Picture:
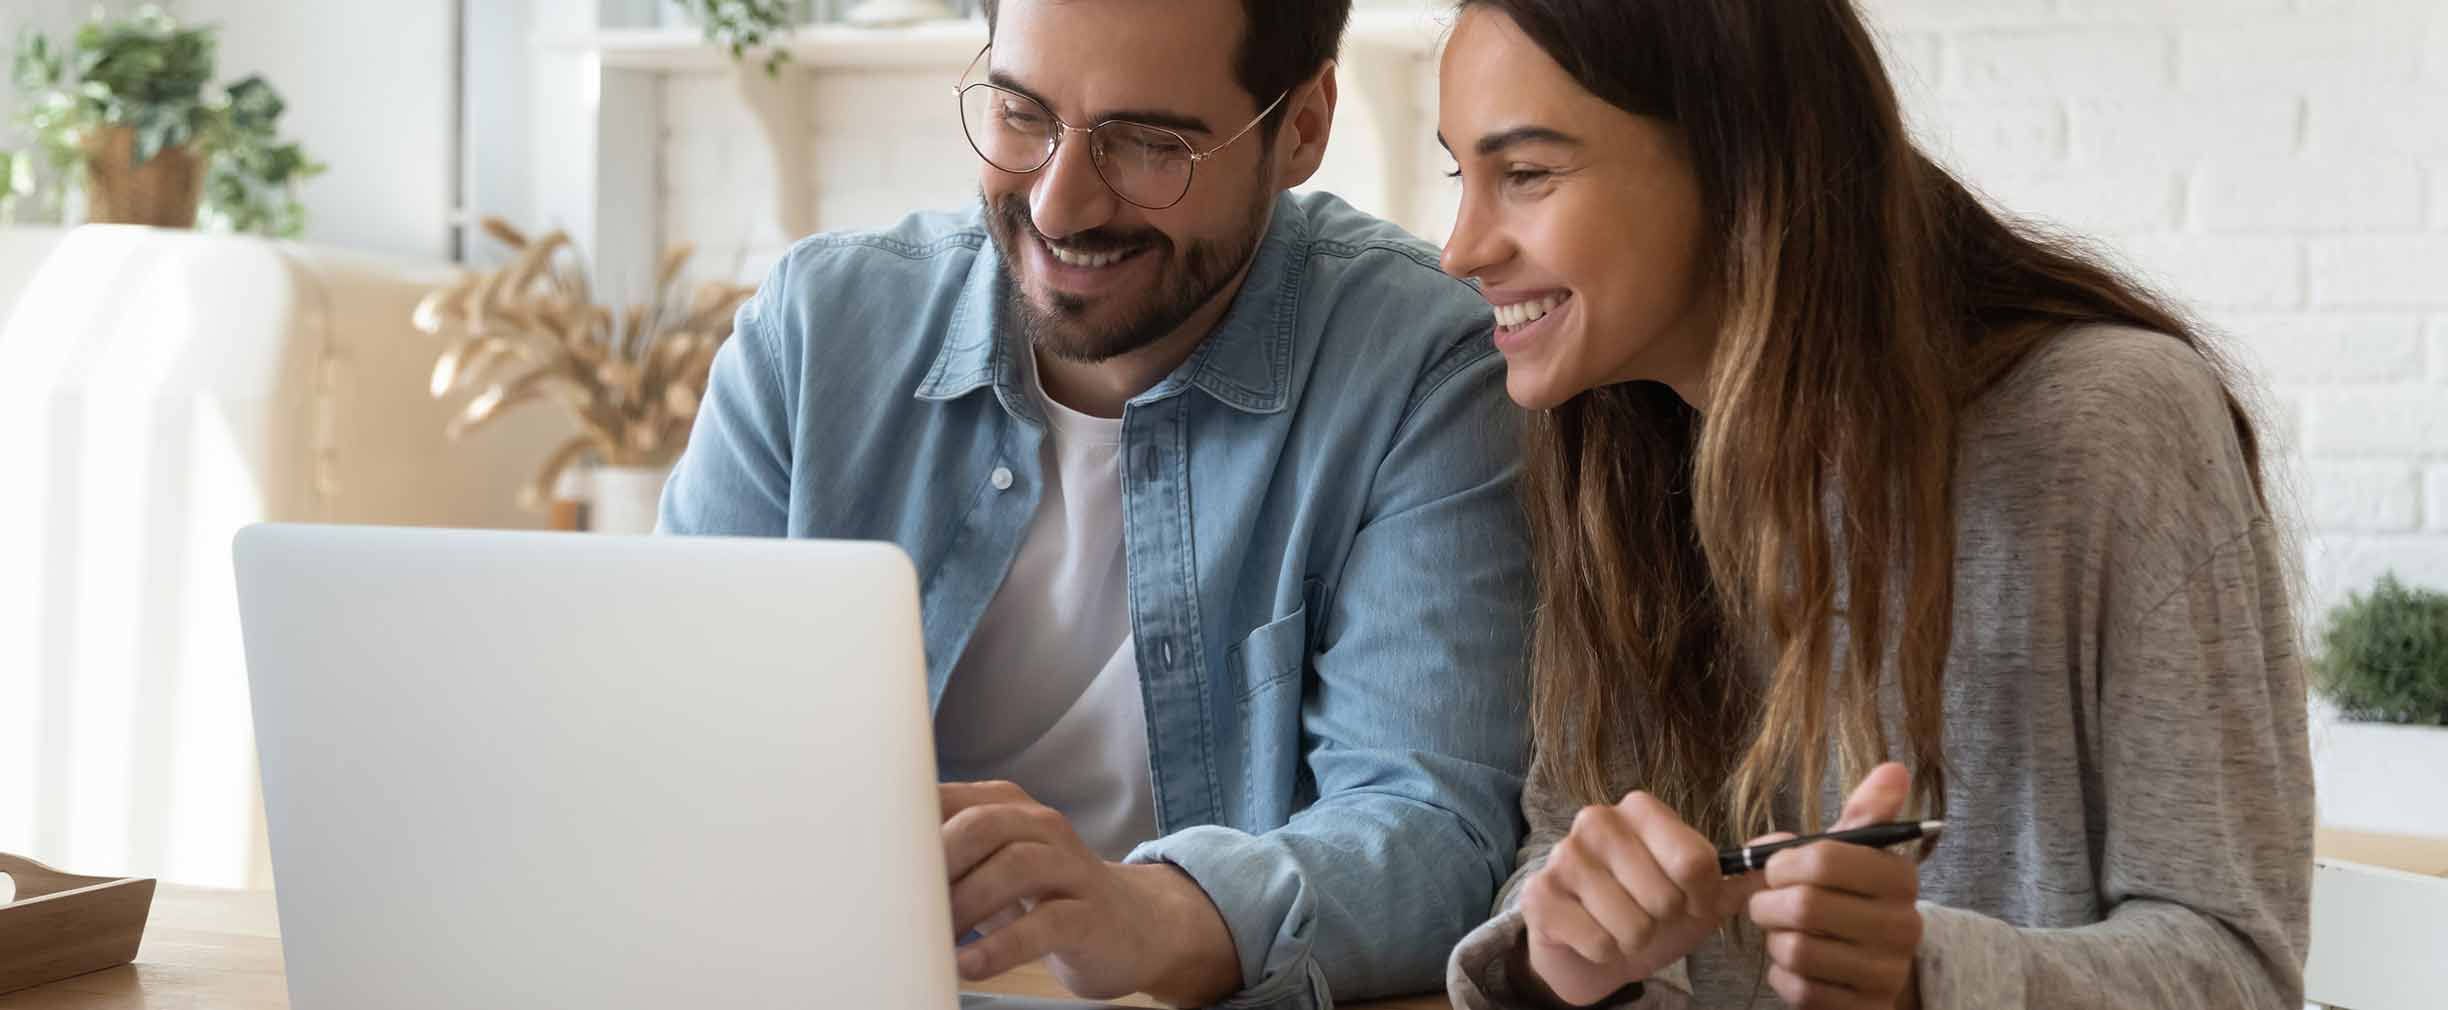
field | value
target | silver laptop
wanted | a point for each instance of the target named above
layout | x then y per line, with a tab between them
507	770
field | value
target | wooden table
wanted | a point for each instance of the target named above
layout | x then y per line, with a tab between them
220	950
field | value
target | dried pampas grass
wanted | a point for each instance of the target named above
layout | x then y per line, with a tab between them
530	333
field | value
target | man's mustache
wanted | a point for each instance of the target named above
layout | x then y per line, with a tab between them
1016	221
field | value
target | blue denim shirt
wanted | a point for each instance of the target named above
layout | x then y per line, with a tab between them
1327	563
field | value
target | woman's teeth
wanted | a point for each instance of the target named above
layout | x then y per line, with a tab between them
1089	261
1525	313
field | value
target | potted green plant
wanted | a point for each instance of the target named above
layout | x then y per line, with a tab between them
742	25
126	114
2383	671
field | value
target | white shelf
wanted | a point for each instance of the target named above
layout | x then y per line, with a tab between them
932	44
818	47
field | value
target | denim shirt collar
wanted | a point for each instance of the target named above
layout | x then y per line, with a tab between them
1246	363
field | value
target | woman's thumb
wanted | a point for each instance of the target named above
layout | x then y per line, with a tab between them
1880	797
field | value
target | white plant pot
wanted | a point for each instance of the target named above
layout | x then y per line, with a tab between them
627	498
2378	777
886	13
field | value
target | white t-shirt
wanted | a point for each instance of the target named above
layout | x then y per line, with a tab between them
1047	696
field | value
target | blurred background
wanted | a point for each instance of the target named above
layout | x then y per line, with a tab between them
2281	166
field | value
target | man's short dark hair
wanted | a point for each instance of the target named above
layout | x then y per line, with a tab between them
1285	44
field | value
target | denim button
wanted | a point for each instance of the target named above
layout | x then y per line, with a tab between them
1002	478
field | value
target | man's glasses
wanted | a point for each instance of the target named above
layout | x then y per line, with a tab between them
1147	166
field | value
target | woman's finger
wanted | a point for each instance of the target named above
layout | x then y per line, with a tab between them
1880	797
1671	868
1888	925
1801	993
1594	885
1554	917
1683	855
1854	869
1826	959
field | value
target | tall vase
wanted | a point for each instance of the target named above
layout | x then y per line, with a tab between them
627	498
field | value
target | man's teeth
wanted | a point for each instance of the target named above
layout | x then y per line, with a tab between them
1525	313
1089	261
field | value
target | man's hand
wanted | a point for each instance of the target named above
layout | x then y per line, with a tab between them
1106	929
1841	928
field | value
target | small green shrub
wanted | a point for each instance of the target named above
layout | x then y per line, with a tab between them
2385	656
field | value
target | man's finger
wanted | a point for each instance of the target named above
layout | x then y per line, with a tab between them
1016	872
975	834
954	797
1029	938
1880	797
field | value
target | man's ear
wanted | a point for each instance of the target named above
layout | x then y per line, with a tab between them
1302	140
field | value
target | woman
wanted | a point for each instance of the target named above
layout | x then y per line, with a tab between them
1829	463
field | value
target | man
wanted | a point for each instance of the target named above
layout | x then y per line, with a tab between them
1211	492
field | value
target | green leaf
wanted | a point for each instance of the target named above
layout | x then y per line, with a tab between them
741	25
36	67
253	104
153	137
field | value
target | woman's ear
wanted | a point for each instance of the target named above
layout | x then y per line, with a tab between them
1306	126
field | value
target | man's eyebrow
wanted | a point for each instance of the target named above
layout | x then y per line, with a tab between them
1174	121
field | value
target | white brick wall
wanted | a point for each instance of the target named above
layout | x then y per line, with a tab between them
2279	165
2435	498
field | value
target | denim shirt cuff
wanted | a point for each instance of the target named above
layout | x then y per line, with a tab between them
1259	891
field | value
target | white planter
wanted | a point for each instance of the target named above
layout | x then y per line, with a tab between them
627	498
2378	777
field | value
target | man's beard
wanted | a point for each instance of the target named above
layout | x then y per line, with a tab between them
1189	278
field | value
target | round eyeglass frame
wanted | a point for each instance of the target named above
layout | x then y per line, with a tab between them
1064	130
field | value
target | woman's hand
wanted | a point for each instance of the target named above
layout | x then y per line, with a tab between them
1628	892
1841	928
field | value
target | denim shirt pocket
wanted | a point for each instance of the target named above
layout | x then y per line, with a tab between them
1267	667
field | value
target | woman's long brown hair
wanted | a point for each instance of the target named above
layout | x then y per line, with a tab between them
1868	299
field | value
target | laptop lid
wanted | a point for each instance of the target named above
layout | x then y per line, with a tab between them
552	770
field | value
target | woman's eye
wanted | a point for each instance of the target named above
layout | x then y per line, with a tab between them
1515	177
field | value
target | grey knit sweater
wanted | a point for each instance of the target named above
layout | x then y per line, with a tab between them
2129	818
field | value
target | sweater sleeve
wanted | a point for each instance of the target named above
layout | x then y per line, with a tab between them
2205	855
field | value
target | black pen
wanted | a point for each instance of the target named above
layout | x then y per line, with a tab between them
1736	862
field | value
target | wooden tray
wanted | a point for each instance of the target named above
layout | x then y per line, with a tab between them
63	925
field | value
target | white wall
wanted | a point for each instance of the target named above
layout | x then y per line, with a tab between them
370	89
2282	166
2279	165
369	86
